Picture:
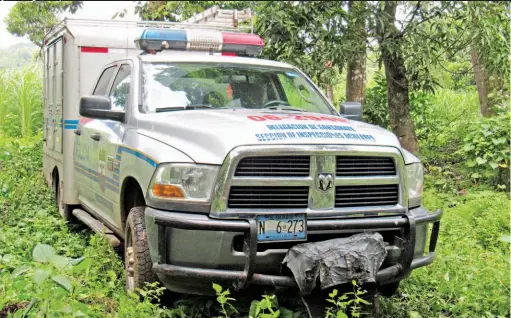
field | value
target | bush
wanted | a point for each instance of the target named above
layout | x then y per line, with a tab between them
376	111
470	274
486	150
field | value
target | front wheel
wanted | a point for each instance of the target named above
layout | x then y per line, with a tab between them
138	264
388	290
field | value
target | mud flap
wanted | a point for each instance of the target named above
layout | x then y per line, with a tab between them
336	261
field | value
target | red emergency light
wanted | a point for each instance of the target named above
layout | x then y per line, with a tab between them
228	43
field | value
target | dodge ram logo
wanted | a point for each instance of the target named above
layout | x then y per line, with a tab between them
325	181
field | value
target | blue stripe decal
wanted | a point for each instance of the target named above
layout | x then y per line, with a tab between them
96	176
113	182
70	126
108	186
138	155
70	122
96	179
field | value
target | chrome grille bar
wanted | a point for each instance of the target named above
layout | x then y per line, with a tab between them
322	158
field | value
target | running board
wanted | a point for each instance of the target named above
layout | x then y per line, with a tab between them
97	226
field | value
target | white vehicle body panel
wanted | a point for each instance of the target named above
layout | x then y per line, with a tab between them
70	73
207	136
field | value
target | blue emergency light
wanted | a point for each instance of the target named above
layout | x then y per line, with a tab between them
228	43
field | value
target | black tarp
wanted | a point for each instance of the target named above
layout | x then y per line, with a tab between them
336	261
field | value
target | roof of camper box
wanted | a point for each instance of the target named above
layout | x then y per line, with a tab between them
115	33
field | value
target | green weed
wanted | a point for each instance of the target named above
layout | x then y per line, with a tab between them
469	278
343	304
470	275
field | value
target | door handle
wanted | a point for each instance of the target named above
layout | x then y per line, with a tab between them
78	132
96	136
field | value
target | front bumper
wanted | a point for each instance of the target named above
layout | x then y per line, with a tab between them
159	222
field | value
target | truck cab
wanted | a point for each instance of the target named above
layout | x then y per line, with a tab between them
207	164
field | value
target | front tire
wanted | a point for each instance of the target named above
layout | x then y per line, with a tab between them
138	264
388	290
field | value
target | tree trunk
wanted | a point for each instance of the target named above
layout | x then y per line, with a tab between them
355	81
397	82
330	93
355	75
482	83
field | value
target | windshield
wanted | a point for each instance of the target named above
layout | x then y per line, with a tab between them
178	86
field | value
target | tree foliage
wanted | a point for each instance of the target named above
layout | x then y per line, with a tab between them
34	18
176	11
307	34
413	39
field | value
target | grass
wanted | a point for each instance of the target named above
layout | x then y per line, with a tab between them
470	277
451	114
21	101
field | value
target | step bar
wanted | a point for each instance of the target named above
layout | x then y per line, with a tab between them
97	226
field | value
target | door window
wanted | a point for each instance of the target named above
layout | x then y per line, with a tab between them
121	88
104	80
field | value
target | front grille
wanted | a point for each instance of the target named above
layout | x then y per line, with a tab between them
359	166
275	166
256	197
366	195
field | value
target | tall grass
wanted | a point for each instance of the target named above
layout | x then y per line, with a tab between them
4	91
21	101
452	115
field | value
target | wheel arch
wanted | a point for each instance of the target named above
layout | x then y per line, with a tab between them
132	196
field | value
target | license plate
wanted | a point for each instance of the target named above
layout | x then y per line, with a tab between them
281	227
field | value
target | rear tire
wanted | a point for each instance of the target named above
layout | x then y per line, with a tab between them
137	261
388	290
65	210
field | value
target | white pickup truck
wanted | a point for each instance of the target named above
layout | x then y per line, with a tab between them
207	164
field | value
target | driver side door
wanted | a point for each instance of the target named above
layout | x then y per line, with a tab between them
86	146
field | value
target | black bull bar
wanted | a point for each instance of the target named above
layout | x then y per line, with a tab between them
241	279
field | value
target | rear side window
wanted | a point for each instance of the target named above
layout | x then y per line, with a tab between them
102	86
121	88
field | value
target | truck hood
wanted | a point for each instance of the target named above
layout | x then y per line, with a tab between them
207	136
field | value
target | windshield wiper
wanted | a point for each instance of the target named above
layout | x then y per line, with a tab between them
285	108
169	109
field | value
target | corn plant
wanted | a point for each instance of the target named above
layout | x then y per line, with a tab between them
21	101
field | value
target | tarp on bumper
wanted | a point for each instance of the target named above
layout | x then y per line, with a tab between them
336	261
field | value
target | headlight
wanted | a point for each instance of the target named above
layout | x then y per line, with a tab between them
183	182
414	181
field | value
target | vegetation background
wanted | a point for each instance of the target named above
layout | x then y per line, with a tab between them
437	74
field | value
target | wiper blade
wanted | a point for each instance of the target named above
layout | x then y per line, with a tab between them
285	108
169	109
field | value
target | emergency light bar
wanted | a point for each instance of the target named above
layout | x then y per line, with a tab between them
200	40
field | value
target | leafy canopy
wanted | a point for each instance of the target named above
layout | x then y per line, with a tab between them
34	18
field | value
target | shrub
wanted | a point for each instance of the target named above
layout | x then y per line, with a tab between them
421	110
486	149
375	103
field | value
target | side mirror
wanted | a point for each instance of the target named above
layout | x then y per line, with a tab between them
99	107
352	110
